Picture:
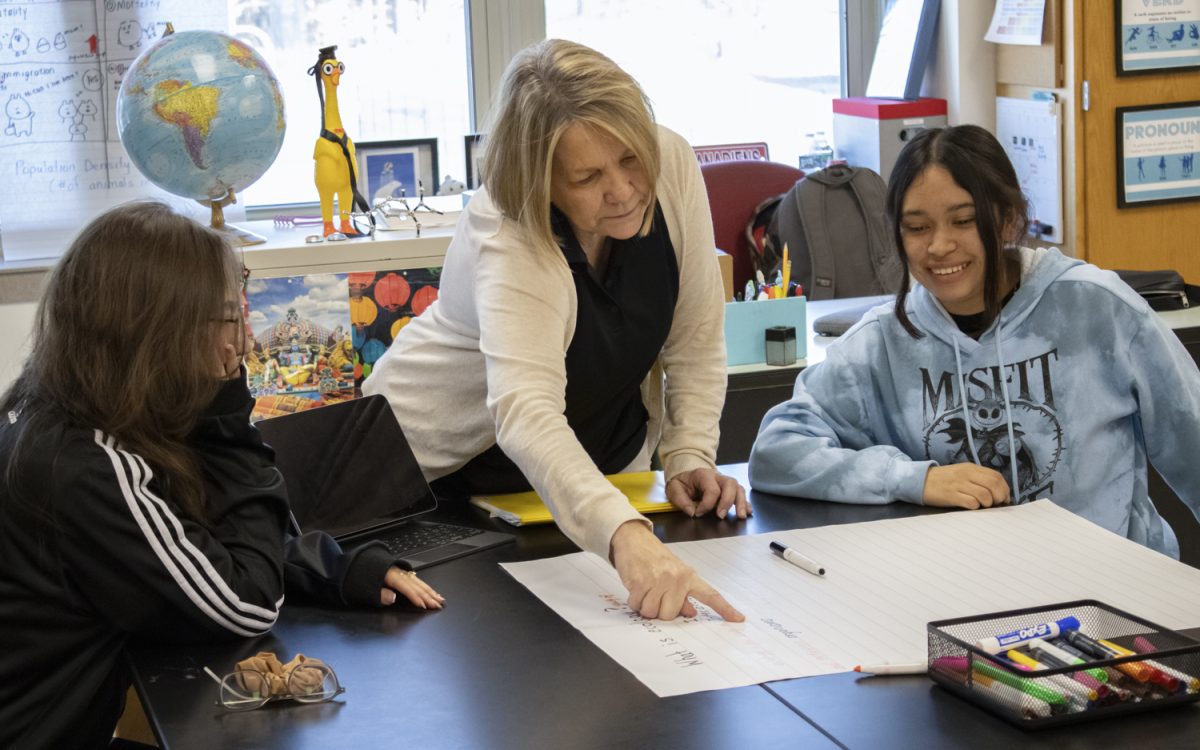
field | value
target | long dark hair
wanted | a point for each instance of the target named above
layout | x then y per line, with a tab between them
125	338
977	162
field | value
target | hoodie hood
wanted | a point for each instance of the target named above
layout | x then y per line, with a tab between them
929	316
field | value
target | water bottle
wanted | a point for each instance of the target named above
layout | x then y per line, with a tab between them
821	151
808	158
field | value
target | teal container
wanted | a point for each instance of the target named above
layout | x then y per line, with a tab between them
746	324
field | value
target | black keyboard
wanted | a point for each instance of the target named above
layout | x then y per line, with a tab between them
418	537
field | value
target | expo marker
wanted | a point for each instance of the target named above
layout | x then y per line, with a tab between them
1111	676
1155	675
996	644
1070	688
916	667
1009	697
798	559
1136	670
1087	645
1042	648
1057	700
1042	651
1142	644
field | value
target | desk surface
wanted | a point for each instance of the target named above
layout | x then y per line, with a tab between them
498	669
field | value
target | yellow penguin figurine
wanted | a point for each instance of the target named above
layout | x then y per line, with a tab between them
334	151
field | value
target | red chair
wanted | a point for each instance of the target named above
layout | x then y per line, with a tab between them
735	188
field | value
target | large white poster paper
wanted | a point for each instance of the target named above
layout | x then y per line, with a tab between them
885	580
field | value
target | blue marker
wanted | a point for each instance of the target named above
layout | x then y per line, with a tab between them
998	643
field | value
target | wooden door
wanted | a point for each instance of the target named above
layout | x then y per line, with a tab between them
1141	237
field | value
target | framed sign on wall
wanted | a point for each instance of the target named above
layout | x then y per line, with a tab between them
1157	37
1156	153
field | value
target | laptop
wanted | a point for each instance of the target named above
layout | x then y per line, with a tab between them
350	472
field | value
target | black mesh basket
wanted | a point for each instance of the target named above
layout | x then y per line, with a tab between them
1034	688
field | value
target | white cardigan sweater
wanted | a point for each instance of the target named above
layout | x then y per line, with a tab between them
486	362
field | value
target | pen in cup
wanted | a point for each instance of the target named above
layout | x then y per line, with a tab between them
798	559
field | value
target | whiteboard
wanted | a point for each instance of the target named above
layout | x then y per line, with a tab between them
1031	132
61	66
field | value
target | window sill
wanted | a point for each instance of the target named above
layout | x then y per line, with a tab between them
286	253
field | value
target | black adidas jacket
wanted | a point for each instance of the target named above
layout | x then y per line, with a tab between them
116	561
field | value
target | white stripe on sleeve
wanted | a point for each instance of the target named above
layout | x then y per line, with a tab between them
191	570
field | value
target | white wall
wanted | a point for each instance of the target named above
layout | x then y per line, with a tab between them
18	303
964	68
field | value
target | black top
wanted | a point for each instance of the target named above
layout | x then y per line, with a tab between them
975	324
95	554
621	323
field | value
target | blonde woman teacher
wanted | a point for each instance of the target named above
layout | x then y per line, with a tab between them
579	325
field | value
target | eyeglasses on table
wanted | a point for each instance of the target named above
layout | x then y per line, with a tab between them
248	689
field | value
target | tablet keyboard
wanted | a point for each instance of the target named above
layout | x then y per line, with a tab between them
418	537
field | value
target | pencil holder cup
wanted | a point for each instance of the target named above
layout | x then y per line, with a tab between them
1063	663
746	324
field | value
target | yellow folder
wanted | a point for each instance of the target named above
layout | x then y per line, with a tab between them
646	491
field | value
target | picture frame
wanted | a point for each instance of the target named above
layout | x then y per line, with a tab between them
384	167
473	153
1156	152
1157	37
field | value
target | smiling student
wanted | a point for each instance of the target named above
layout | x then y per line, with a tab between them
1006	374
580	274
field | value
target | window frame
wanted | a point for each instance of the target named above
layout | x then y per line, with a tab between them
498	29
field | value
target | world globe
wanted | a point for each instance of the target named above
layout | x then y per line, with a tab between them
201	115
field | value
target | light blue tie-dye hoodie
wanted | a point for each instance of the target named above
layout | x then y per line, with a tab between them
1092	383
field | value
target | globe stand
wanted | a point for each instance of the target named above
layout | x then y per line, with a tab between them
237	237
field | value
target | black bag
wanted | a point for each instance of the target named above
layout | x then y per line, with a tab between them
835	226
1164	290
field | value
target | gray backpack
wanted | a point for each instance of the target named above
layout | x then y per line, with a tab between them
834	223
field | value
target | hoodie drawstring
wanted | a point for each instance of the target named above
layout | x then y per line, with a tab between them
962	384
1012	442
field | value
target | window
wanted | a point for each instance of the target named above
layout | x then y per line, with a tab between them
406	77
721	71
717	71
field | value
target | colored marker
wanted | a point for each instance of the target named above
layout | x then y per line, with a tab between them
1065	645
1100	650
798	559
996	644
1044	648
1153	674
1072	689
1011	698
1111	676
951	664
1041	692
1143	645
1041	650
1088	646
916	667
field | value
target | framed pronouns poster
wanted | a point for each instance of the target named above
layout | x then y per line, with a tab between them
1156	153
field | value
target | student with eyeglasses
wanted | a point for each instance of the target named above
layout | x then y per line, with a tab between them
138	502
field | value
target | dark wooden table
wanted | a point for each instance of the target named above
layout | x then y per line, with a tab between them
498	669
